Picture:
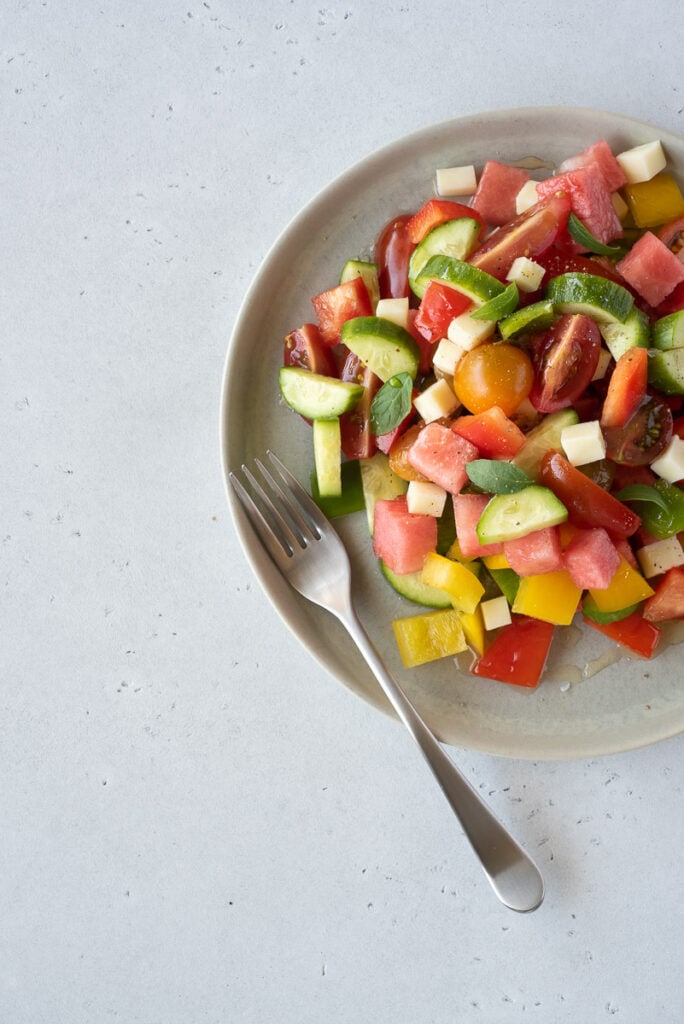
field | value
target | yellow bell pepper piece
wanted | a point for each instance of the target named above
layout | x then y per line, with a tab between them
456	553
460	583
496	561
427	637
550	596
654	202
627	587
474	630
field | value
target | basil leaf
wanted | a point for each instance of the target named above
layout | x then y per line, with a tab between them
583	236
643	492
496	477
500	306
391	404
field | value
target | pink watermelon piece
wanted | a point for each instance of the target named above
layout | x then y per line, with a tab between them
591	200
497	189
441	455
467	511
651	269
402	539
600	154
538	552
591	558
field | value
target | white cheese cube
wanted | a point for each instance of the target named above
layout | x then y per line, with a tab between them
469	333
526	274
436	401
670	465
602	364
641	163
425	498
583	443
446	356
619	205
495	612
661	555
396	310
526	197
456	181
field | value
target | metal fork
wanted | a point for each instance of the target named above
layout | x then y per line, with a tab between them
311	556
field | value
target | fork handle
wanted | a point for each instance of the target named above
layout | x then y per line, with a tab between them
512	874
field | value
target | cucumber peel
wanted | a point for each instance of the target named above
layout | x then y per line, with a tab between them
316	396
603	300
383	346
510	516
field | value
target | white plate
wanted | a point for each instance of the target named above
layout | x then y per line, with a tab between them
629	703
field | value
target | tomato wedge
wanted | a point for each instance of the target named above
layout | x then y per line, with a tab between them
633	632
304	347
518	652
392	252
339	304
565	358
587	503
528	235
626	388
434	213
438	307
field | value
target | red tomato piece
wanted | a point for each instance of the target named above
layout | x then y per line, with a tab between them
339	304
438	307
304	347
358	441
565	360
558	261
626	388
434	213
634	632
518	652
643	437
497	189
587	503
492	432
668	600
530	234
392	252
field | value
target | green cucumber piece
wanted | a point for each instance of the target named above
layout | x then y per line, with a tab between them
603	300
379	481
327	448
411	586
369	274
455	238
476	284
668	331
635	332
351	497
543	438
508	581
500	306
538	316
592	611
509	516
666	371
315	396
384	347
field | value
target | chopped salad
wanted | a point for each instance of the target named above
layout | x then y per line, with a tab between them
501	386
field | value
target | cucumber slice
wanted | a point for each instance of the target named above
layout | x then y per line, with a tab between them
327	448
379	481
476	284
455	238
507	580
543	438
384	347
635	332
509	516
668	331
593	612
666	371
351	497
603	300
315	396
411	586
369	274
538	316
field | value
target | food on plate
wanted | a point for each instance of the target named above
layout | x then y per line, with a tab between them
499	384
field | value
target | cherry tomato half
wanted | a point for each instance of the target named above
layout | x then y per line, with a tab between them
358	441
565	360
392	253
304	347
495	373
588	504
643	437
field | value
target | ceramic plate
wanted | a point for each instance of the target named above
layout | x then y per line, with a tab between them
592	701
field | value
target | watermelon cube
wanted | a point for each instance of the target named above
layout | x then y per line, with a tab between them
441	455
536	553
601	155
591	559
498	187
467	511
651	269
494	435
402	539
590	199
668	600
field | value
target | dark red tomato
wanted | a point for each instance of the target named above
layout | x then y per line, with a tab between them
392	253
357	440
556	262
588	504
304	347
565	359
673	303
528	235
643	437
633	632
518	652
434	213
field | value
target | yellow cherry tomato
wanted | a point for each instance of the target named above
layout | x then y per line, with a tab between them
495	373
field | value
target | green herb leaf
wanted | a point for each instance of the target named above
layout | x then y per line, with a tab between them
496	477
643	492
500	306
391	404
583	236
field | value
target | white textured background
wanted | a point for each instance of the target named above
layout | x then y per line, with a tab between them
197	826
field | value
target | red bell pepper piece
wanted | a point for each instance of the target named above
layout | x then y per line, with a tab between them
518	652
634	632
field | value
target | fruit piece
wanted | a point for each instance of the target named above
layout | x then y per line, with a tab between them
402	539
651	269
467	511
497	190
591	558
667	602
493	374
441	455
626	388
655	202
600	154
565	360
378	481
589	197
317	397
545	437
509	516
518	653
385	348
530	234
537	552
475	284
327	448
494	435
337	305
587	503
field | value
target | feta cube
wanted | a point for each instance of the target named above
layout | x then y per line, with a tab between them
425	498
469	333
436	401
526	274
583	443
659	556
670	465
526	197
456	181
396	310
602	364
446	356
641	163
495	612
